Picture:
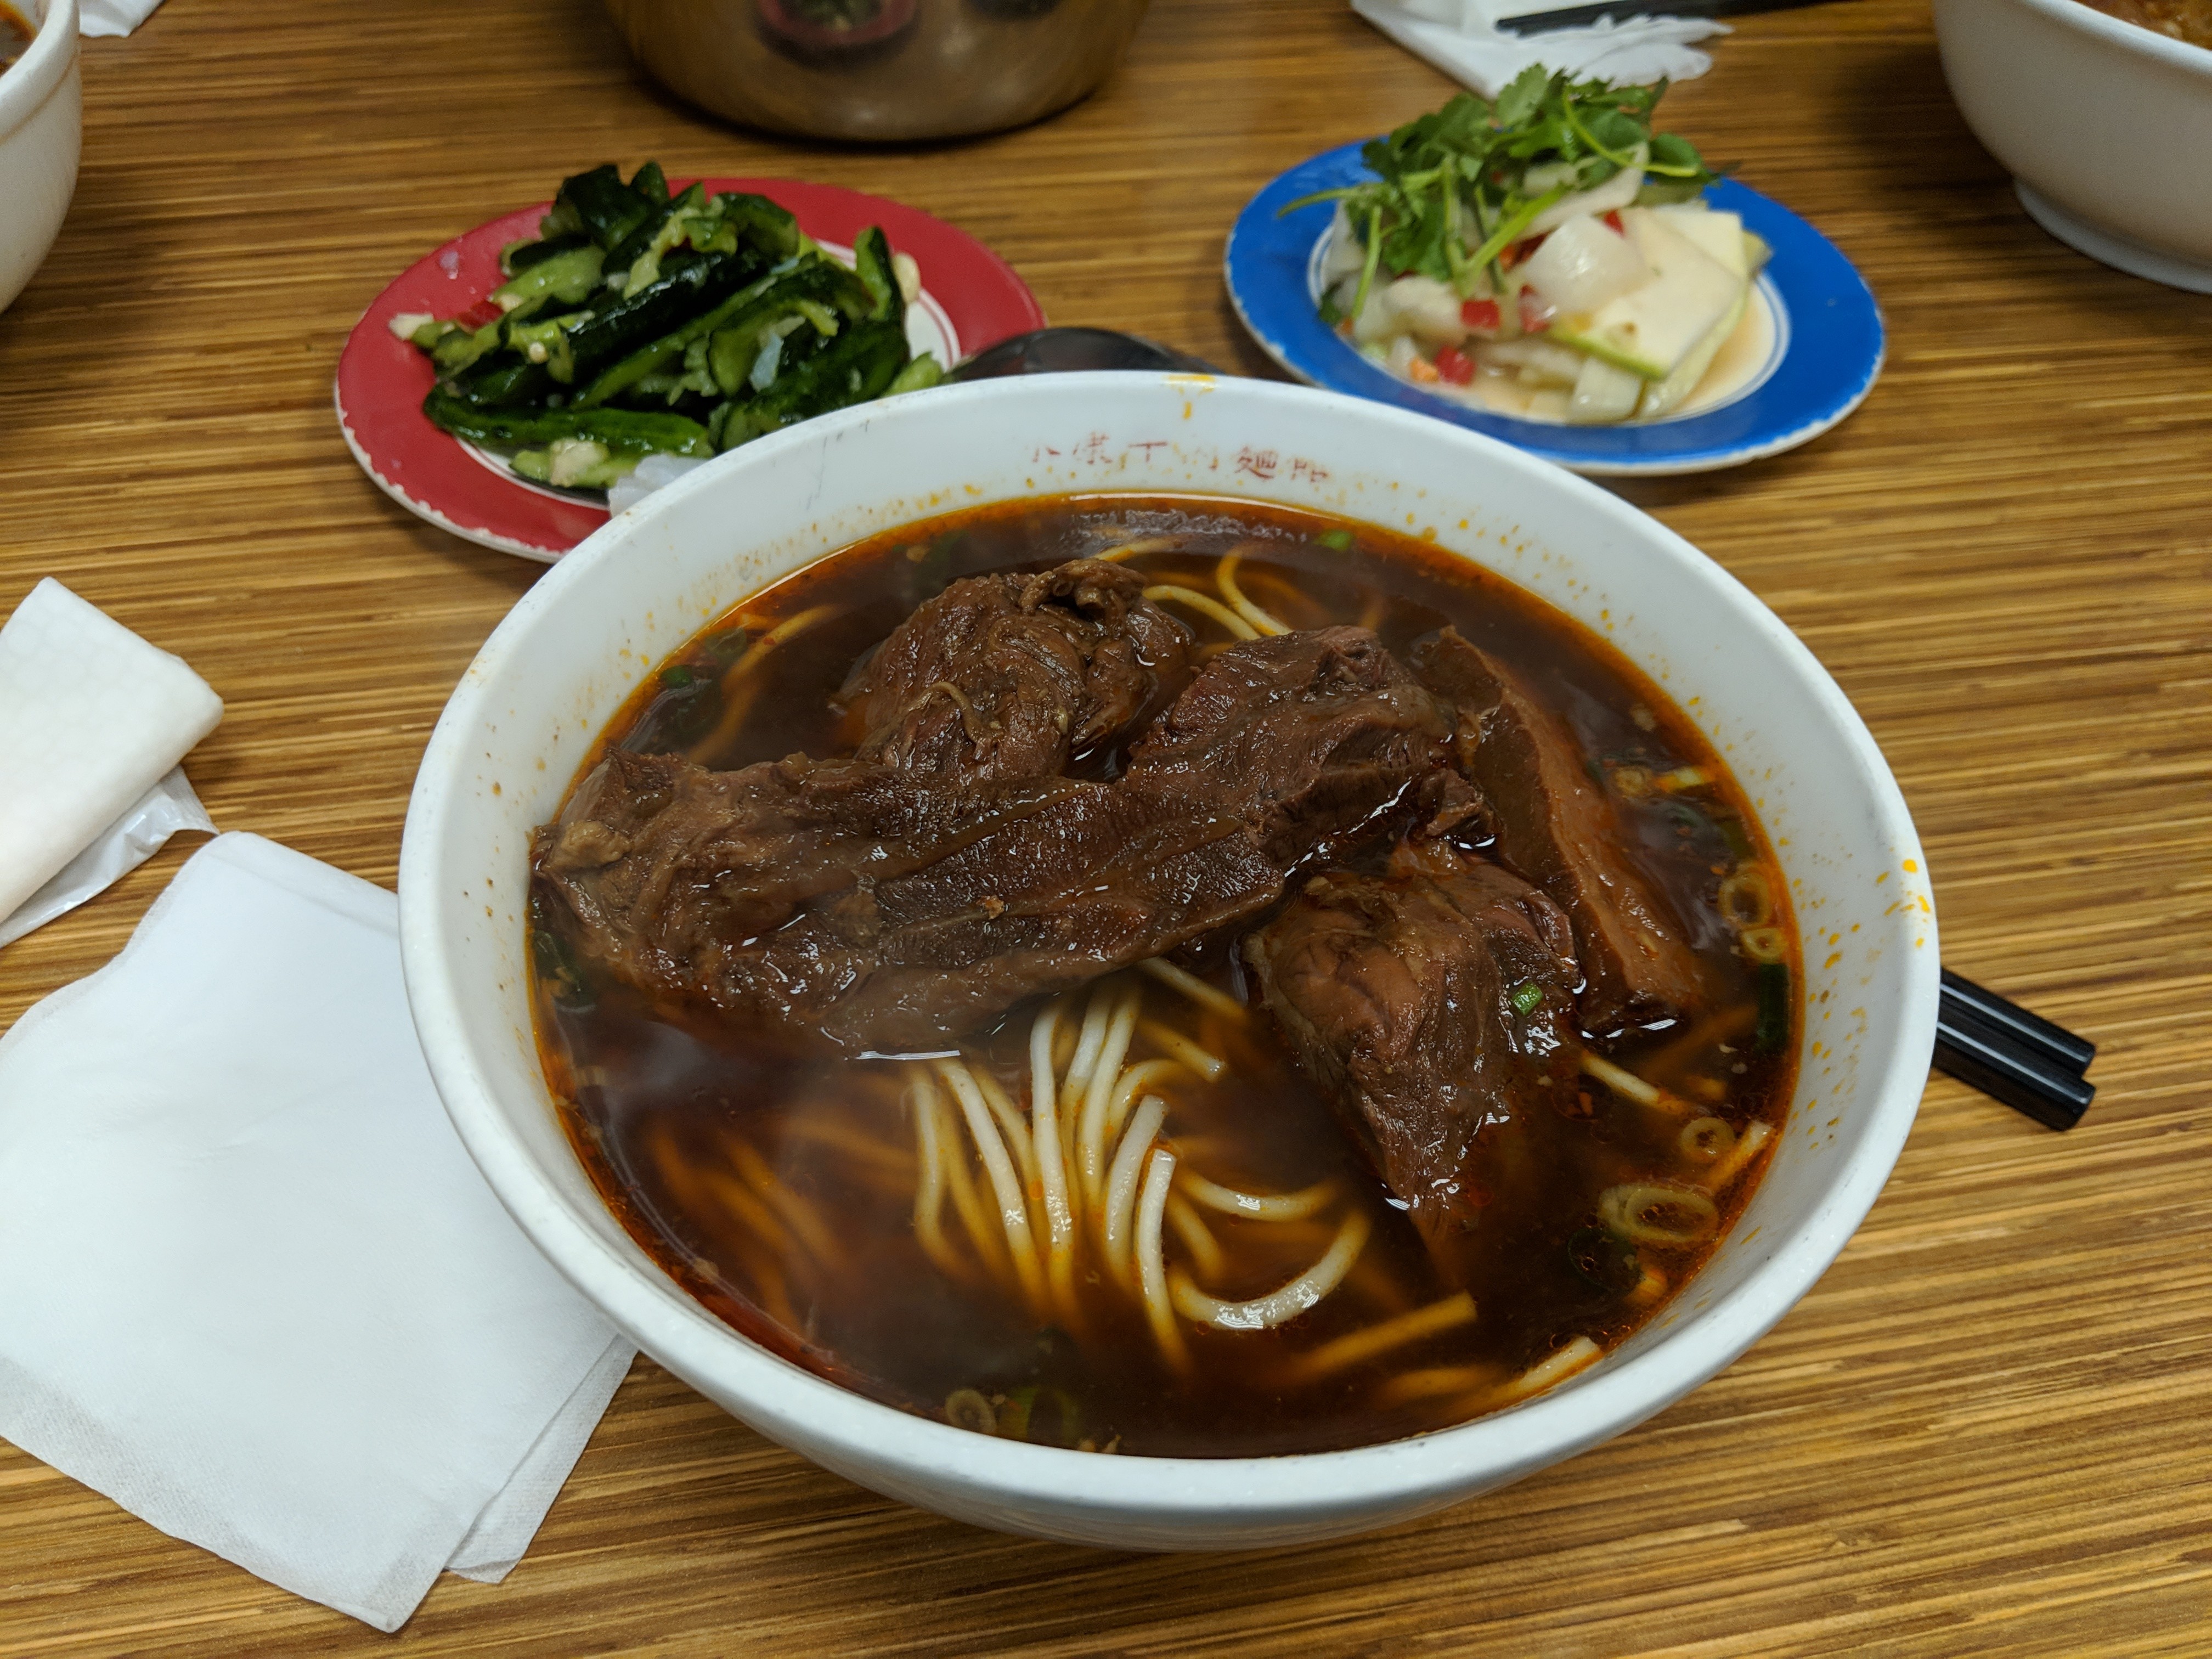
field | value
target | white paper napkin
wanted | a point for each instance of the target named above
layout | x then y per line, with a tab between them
146	825
91	718
1461	38
99	17
251	1286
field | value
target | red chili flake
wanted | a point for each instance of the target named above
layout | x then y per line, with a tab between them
1482	315
1454	366
1613	219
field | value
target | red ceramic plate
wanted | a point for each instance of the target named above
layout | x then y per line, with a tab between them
971	299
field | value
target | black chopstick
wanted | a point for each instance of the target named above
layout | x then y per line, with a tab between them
2012	1056
1621	11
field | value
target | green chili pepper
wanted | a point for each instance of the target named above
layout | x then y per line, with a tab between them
1526	995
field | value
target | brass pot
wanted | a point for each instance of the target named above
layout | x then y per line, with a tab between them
879	69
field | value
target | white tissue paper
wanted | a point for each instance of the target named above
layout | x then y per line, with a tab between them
1461	38
91	718
251	1286
102	18
146	825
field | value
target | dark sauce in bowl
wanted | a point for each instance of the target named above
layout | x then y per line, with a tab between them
782	1188
16	33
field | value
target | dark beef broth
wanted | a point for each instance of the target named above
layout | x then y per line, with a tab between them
666	1105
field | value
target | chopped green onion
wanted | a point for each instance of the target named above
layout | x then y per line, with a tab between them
1771	1035
1526	995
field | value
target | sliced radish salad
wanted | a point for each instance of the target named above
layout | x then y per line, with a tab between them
1548	253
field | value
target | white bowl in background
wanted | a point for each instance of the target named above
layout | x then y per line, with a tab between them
556	671
41	122
2106	127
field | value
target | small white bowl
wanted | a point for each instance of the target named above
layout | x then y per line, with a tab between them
557	668
2106	127
41	123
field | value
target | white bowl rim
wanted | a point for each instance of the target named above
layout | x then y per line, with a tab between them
27	82
1391	1475
2102	26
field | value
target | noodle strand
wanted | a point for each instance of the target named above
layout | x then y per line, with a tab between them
1170	593
1204	1063
1193	987
1152	1260
1119	1209
1013	1212
1278	1307
1269	1206
1091	1137
1348	1351
1206	1255
1051	1159
1224	578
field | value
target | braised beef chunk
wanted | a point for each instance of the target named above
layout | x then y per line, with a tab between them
1279	750
1012	674
1558	829
1100	881
1434	1006
660	859
1305	738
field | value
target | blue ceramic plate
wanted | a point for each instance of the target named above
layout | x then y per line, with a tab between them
1827	345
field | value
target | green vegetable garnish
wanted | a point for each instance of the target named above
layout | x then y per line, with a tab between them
1526	995
644	323
1457	187
1772	1033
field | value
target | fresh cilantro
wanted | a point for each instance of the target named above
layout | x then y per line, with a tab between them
1457	186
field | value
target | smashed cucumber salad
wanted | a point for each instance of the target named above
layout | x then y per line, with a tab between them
645	328
1549	242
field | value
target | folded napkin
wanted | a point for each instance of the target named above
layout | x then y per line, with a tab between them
146	825
91	718
251	1286
1461	38
97	17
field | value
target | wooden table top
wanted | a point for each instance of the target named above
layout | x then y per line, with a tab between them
1987	1430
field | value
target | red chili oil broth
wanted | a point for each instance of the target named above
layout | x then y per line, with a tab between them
656	1098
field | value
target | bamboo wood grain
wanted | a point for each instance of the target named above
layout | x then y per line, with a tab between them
1987	1432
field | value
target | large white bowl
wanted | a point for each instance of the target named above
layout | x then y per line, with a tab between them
2106	128
41	119
555	671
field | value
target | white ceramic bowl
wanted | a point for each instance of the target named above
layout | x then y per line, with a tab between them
556	671
41	119
2106	128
